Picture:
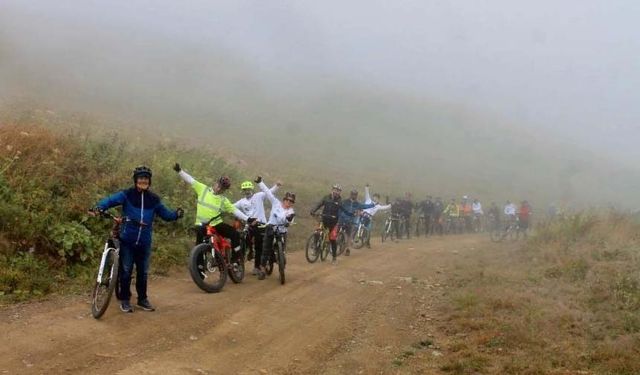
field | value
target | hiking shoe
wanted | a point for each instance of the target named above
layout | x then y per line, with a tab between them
126	307
334	261
255	272
347	252
146	305
261	275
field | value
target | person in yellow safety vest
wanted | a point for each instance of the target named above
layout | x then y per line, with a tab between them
452	210
211	205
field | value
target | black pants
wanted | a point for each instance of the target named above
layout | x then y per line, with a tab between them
257	235
331	226
407	227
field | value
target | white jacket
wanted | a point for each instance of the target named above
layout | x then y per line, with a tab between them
378	207
254	206
278	216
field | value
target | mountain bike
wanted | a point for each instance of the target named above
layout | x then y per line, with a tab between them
212	260
361	235
511	231
391	225
278	255
107	275
318	244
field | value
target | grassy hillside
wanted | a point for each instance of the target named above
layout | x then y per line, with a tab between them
49	178
567	302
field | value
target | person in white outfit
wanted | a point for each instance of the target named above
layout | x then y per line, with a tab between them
369	213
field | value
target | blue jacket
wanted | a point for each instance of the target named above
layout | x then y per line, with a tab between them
349	208
139	209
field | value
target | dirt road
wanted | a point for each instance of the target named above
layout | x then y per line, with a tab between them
365	315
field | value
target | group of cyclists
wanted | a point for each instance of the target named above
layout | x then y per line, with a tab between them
140	205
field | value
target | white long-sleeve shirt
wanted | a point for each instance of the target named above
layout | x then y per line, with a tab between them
278	216
477	208
254	206
378	207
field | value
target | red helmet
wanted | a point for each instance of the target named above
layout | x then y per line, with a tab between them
224	182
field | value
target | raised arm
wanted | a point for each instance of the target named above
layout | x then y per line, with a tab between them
367	197
268	193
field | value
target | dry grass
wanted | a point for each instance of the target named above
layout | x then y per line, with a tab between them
567	302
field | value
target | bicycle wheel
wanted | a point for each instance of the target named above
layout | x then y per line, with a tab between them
312	250
326	249
103	288
236	268
358	237
268	268
207	268
496	234
342	243
282	261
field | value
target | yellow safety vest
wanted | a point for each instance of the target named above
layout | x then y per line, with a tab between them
210	205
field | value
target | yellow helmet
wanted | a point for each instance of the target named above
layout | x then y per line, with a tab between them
246	185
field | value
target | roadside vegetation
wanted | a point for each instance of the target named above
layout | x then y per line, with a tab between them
567	302
51	175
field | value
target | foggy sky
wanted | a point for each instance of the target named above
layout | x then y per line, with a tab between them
570	68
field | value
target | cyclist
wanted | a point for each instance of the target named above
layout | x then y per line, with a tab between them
438	207
425	209
281	215
476	207
348	217
406	206
510	213
466	211
494	215
452	214
331	206
252	205
139	206
524	214
211	205
371	212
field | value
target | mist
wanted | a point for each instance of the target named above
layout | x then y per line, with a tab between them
497	97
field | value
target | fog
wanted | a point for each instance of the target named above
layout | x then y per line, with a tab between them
551	83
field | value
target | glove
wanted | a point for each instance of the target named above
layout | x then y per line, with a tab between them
177	168
258	180
179	211
251	220
290	217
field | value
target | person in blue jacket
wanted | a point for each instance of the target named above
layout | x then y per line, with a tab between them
348	217
139	207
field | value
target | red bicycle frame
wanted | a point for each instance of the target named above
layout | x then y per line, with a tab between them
218	242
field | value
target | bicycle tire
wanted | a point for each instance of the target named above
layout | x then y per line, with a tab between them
311	251
268	268
342	243
326	249
385	230
236	273
282	261
99	307
203	260
358	239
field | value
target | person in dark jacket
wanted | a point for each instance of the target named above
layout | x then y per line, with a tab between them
331	206
139	207
348	217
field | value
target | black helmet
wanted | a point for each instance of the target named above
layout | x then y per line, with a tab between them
290	196
142	171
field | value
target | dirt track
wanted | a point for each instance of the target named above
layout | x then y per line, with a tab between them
359	316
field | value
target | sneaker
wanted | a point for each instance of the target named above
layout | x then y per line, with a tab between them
261	275
334	261
126	307
347	252
255	272
146	305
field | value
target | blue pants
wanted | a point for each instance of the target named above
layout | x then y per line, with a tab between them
131	254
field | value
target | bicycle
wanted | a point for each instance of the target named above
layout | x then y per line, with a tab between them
318	244
512	230
107	275
361	235
212	260
278	255
391	225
